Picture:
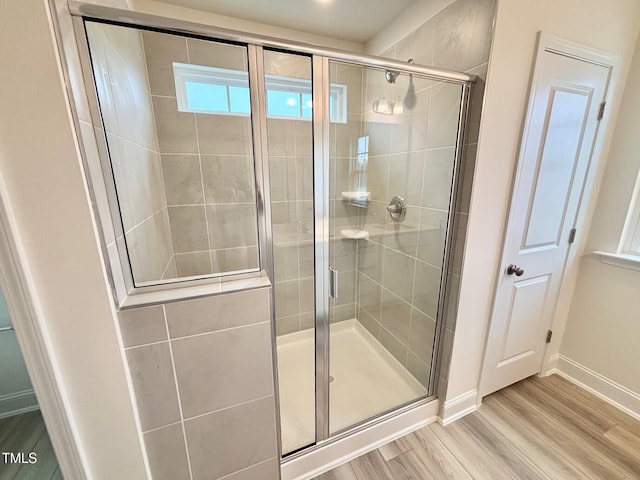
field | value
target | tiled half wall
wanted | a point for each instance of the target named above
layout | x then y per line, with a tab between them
203	383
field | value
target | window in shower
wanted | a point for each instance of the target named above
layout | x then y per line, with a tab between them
184	179
220	91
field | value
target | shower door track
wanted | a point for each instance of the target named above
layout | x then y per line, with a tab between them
320	58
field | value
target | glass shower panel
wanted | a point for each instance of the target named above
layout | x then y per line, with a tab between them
391	171
288	88
177	120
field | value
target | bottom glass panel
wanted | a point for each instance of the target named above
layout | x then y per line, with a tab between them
290	151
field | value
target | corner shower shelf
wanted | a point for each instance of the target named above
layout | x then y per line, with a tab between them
356	196
354	234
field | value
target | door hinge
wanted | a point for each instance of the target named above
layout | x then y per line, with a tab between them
549	335
572	235
601	111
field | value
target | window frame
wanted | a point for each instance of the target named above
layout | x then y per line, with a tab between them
184	72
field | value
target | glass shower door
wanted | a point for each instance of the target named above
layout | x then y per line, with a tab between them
392	149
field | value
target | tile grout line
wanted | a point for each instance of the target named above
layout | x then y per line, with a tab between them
196	334
175	378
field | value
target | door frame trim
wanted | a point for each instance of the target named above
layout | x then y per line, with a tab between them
33	339
554	44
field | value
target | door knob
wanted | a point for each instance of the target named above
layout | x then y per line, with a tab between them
511	269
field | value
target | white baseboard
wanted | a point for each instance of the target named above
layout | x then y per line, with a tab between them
17	403
329	456
458	407
611	392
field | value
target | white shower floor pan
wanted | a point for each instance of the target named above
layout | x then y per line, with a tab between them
367	380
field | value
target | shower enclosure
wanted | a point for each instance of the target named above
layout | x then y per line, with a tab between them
332	172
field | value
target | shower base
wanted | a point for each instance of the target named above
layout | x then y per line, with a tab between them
368	381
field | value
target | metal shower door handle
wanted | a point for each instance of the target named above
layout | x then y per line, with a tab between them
333	282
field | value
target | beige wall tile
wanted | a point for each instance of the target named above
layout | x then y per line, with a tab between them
282	178
147	189
287	295
194	263
285	325
285	258
232	225
142	325
463	34
224	134
444	113
239	359
433	230
192	317
215	54
154	385
395	316
233	439
370	323
369	296
398	273
281	137
427	286
182	179
228	179
378	178
188	229
161	50
436	183
403	236
422	335
233	259
393	345
176	130
405	176
278	63
262	471
167	453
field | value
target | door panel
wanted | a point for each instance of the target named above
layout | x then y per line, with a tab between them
555	154
526	307
557	165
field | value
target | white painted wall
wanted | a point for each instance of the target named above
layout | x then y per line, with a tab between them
603	327
46	193
239	24
610	26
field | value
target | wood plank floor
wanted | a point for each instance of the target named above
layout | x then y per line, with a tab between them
540	428
27	433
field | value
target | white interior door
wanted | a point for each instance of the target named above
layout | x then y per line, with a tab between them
557	142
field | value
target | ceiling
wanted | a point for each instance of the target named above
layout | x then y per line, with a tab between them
353	20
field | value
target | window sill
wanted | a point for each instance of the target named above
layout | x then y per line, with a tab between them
622	260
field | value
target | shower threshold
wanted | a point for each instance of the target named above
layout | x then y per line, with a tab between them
368	381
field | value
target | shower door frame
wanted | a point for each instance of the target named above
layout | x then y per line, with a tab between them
321	182
320	58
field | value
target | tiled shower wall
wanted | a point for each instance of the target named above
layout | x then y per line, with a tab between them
458	38
203	381
121	80
399	268
207	163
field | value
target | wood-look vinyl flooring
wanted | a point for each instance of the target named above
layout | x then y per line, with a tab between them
27	433
540	428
